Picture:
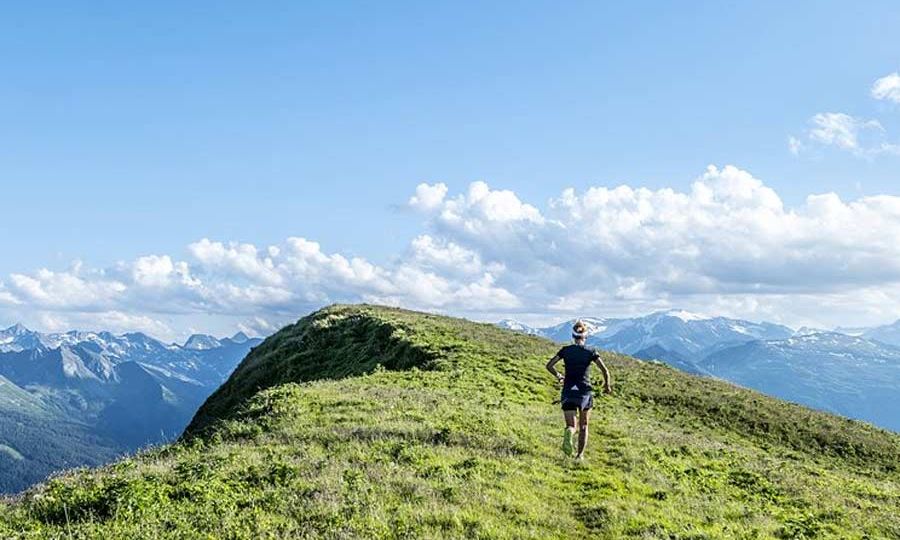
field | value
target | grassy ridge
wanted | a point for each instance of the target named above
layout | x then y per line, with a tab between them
370	422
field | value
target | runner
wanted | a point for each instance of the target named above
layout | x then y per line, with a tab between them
577	396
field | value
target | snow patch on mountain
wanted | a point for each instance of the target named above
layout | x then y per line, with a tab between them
201	342
685	315
517	326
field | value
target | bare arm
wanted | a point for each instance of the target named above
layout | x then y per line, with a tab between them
551	367
607	380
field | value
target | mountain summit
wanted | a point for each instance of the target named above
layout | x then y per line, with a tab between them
240	337
201	342
372	422
14	330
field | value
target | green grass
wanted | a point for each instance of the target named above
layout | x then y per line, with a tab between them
372	422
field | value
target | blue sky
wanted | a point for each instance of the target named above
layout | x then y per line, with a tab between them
136	130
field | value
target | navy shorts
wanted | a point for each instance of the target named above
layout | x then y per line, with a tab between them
574	401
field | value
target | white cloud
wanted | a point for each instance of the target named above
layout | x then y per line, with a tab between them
841	130
887	88
428	196
445	256
859	136
241	259
727	244
862	137
483	292
7	298
153	270
728	236
482	206
275	283
47	288
257	326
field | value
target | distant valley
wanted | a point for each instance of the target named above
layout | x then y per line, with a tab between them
82	398
851	372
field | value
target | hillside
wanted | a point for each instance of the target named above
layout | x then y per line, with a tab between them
372	422
36	440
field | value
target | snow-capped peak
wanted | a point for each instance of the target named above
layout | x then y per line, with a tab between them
512	324
15	330
201	342
517	326
685	316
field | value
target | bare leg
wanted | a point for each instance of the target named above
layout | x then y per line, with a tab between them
584	420
570	417
571	420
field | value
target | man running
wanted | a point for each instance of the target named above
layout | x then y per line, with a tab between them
577	397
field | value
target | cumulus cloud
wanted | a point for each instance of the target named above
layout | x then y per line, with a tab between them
428	196
445	256
482	206
235	258
153	270
7	298
728	244
887	88
46	288
728	236
240	280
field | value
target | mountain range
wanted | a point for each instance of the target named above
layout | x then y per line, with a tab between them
852	372
81	398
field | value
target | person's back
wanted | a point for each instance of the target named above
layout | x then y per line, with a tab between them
577	359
